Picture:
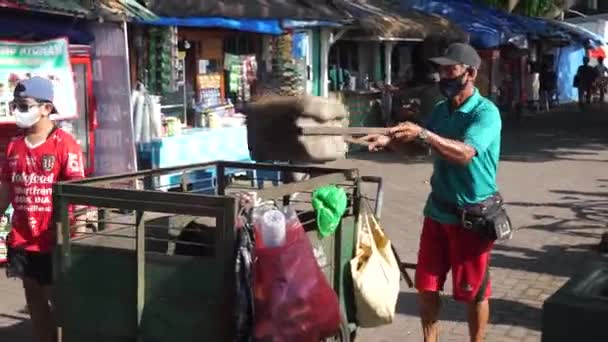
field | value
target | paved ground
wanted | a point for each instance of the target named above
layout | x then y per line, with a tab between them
554	177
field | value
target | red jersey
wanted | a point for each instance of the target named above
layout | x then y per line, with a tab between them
31	172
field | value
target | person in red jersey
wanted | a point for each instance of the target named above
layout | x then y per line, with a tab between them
41	156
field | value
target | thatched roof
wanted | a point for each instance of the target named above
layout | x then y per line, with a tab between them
125	9
253	9
373	19
382	20
61	7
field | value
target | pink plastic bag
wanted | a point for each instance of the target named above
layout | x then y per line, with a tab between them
293	300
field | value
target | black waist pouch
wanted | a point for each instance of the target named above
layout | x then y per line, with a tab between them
487	218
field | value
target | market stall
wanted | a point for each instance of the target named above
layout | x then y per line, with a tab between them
192	81
372	59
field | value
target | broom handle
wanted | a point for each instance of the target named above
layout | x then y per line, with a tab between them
348	131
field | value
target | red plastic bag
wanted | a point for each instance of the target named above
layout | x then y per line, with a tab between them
293	300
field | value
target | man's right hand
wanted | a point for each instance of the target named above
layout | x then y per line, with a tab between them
376	142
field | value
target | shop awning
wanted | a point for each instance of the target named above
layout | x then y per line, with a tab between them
380	20
490	28
579	34
265	26
61	7
32	26
251	9
484	28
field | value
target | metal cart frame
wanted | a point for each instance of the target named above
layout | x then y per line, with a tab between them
134	192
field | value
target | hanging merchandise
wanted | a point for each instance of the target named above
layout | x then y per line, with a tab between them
293	300
177	62
375	273
163	70
242	73
330	205
146	115
289	81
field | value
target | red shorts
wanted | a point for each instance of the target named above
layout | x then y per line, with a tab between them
448	246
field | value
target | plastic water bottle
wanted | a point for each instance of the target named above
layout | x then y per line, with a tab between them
273	228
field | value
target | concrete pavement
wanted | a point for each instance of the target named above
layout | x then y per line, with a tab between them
555	180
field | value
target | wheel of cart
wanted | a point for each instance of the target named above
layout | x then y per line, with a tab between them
160	265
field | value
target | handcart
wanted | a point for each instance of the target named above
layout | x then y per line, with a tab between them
127	280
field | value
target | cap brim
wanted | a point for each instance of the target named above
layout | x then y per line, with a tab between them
444	61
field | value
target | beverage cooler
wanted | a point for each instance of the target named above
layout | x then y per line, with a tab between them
81	127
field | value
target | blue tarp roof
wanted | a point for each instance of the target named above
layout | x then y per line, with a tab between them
267	26
580	34
489	27
485	30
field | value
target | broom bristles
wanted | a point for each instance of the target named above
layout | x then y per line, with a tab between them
273	124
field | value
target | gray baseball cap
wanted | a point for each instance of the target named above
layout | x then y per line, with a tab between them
38	88
459	53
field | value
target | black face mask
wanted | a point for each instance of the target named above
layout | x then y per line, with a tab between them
450	87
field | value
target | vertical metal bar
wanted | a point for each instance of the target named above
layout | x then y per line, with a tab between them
62	257
228	240
102	217
221	179
141	267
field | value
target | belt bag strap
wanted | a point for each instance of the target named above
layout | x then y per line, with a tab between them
479	208
487	218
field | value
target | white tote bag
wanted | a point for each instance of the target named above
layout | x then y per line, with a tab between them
376	274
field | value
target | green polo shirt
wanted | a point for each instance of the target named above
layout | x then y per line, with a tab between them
477	123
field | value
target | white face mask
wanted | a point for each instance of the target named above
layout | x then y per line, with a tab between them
27	119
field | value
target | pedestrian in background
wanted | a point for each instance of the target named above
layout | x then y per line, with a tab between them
548	83
602	73
584	80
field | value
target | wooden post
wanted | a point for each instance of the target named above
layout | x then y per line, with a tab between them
325	45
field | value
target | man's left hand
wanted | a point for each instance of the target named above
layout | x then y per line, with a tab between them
406	132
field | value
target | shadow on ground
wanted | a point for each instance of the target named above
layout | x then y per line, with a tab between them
504	312
588	210
585	216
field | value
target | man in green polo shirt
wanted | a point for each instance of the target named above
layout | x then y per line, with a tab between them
464	132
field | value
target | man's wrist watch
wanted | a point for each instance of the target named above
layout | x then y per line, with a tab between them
423	136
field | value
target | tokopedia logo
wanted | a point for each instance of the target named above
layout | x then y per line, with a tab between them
33	178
